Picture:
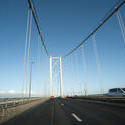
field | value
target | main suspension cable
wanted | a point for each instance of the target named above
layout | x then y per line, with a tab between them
97	28
37	25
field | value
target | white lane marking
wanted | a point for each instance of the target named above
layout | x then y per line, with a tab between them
52	113
62	104
76	117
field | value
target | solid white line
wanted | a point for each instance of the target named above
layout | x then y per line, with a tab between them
76	117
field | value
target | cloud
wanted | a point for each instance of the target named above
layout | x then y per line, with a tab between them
11	91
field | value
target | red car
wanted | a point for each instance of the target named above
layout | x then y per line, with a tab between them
52	97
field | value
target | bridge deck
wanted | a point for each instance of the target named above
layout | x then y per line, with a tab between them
71	112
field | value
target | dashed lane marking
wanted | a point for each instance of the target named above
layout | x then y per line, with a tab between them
76	117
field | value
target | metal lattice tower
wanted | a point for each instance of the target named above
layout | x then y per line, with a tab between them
55	73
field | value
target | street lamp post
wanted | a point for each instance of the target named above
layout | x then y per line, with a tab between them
30	85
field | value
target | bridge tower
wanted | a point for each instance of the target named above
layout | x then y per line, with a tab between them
56	71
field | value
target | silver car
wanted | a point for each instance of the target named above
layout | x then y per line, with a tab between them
116	92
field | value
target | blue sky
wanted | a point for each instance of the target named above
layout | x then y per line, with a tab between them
64	23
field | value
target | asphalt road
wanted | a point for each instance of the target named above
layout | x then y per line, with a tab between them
71	112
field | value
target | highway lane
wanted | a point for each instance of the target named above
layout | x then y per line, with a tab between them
71	112
92	113
33	116
47	113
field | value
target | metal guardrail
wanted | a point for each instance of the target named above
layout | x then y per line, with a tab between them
6	104
16	102
101	98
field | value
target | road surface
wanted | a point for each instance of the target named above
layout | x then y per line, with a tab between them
71	112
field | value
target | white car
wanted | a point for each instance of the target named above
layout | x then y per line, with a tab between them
116	92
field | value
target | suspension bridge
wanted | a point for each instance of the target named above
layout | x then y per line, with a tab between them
71	94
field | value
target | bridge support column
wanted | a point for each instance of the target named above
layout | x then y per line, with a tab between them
60	69
51	90
55	74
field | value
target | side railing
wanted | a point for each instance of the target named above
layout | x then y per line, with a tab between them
109	99
11	103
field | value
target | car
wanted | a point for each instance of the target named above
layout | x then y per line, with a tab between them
116	92
52	97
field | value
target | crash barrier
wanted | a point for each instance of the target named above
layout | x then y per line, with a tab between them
11	103
101	98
